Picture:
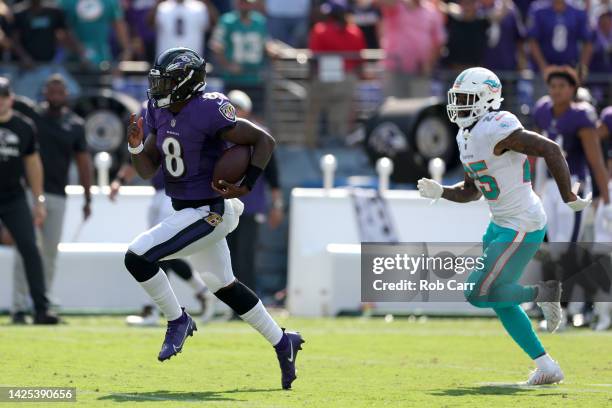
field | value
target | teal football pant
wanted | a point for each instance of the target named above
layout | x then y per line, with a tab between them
506	254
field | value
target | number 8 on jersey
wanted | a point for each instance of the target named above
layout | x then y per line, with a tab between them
173	155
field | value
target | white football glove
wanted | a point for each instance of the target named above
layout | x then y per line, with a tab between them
580	203
430	188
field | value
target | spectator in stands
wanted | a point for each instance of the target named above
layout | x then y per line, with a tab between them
142	35
39	29
504	51
92	22
180	23
243	242
601	62
467	29
412	37
288	21
559	34
61	135
335	44
19	159
367	15
240	43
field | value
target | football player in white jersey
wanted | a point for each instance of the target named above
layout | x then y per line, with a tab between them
493	147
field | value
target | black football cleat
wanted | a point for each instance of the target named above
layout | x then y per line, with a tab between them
176	334
286	359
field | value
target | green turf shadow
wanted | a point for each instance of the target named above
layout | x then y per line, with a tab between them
509	389
183	396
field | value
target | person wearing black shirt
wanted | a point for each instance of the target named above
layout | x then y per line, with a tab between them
61	136
467	32
38	29
18	158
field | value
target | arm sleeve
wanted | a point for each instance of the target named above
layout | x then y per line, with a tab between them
502	125
30	143
80	143
220	114
271	173
587	118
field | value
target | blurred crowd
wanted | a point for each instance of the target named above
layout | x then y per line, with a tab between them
424	44
418	36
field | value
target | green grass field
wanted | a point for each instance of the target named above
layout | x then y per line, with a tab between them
349	362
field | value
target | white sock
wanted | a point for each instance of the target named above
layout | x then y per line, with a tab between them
160	291
259	318
545	362
197	283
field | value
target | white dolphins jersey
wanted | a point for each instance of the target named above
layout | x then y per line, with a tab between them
505	180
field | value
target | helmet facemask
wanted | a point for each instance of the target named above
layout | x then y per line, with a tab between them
160	88
464	107
475	92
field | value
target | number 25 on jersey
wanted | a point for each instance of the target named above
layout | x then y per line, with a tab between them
488	184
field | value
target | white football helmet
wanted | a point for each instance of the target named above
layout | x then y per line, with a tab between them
475	91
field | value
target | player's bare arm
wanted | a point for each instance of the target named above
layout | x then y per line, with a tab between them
591	144
462	192
533	144
147	161
247	133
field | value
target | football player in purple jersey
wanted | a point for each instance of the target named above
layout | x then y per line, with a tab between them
159	209
188	131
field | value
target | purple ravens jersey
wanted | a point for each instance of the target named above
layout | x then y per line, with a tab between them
558	34
564	130
189	143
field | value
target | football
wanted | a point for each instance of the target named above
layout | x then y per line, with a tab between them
232	164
